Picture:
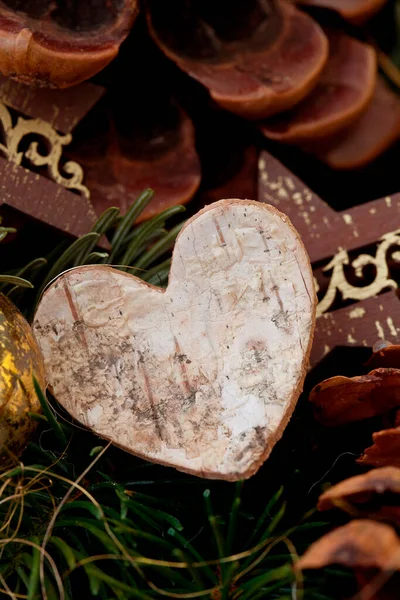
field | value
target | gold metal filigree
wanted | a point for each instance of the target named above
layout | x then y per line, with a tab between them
13	135
339	283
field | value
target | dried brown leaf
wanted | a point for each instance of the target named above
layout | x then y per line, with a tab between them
360	544
385	450
369	493
340	400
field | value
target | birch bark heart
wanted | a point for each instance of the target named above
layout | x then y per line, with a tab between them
204	375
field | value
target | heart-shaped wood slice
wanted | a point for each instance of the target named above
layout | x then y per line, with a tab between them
202	376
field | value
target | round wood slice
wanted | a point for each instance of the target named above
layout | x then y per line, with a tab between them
58	43
342	94
265	58
355	11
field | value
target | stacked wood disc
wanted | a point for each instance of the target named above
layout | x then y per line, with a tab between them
273	63
58	44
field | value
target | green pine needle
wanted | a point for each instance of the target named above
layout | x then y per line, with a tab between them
61	437
120	527
17	281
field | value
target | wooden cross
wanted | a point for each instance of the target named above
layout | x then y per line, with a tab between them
59	199
329	236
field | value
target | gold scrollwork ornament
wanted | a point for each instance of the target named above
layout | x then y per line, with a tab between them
339	283
12	136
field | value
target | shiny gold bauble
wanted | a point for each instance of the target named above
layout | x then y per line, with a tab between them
20	359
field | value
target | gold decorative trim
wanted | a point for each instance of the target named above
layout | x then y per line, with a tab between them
339	283
13	135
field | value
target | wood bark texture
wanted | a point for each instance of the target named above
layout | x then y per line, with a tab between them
202	376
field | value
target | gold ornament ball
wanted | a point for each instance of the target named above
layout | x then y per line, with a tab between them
20	359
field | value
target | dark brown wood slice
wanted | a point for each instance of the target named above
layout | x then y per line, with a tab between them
262	60
57	43
122	159
341	95
376	130
355	11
